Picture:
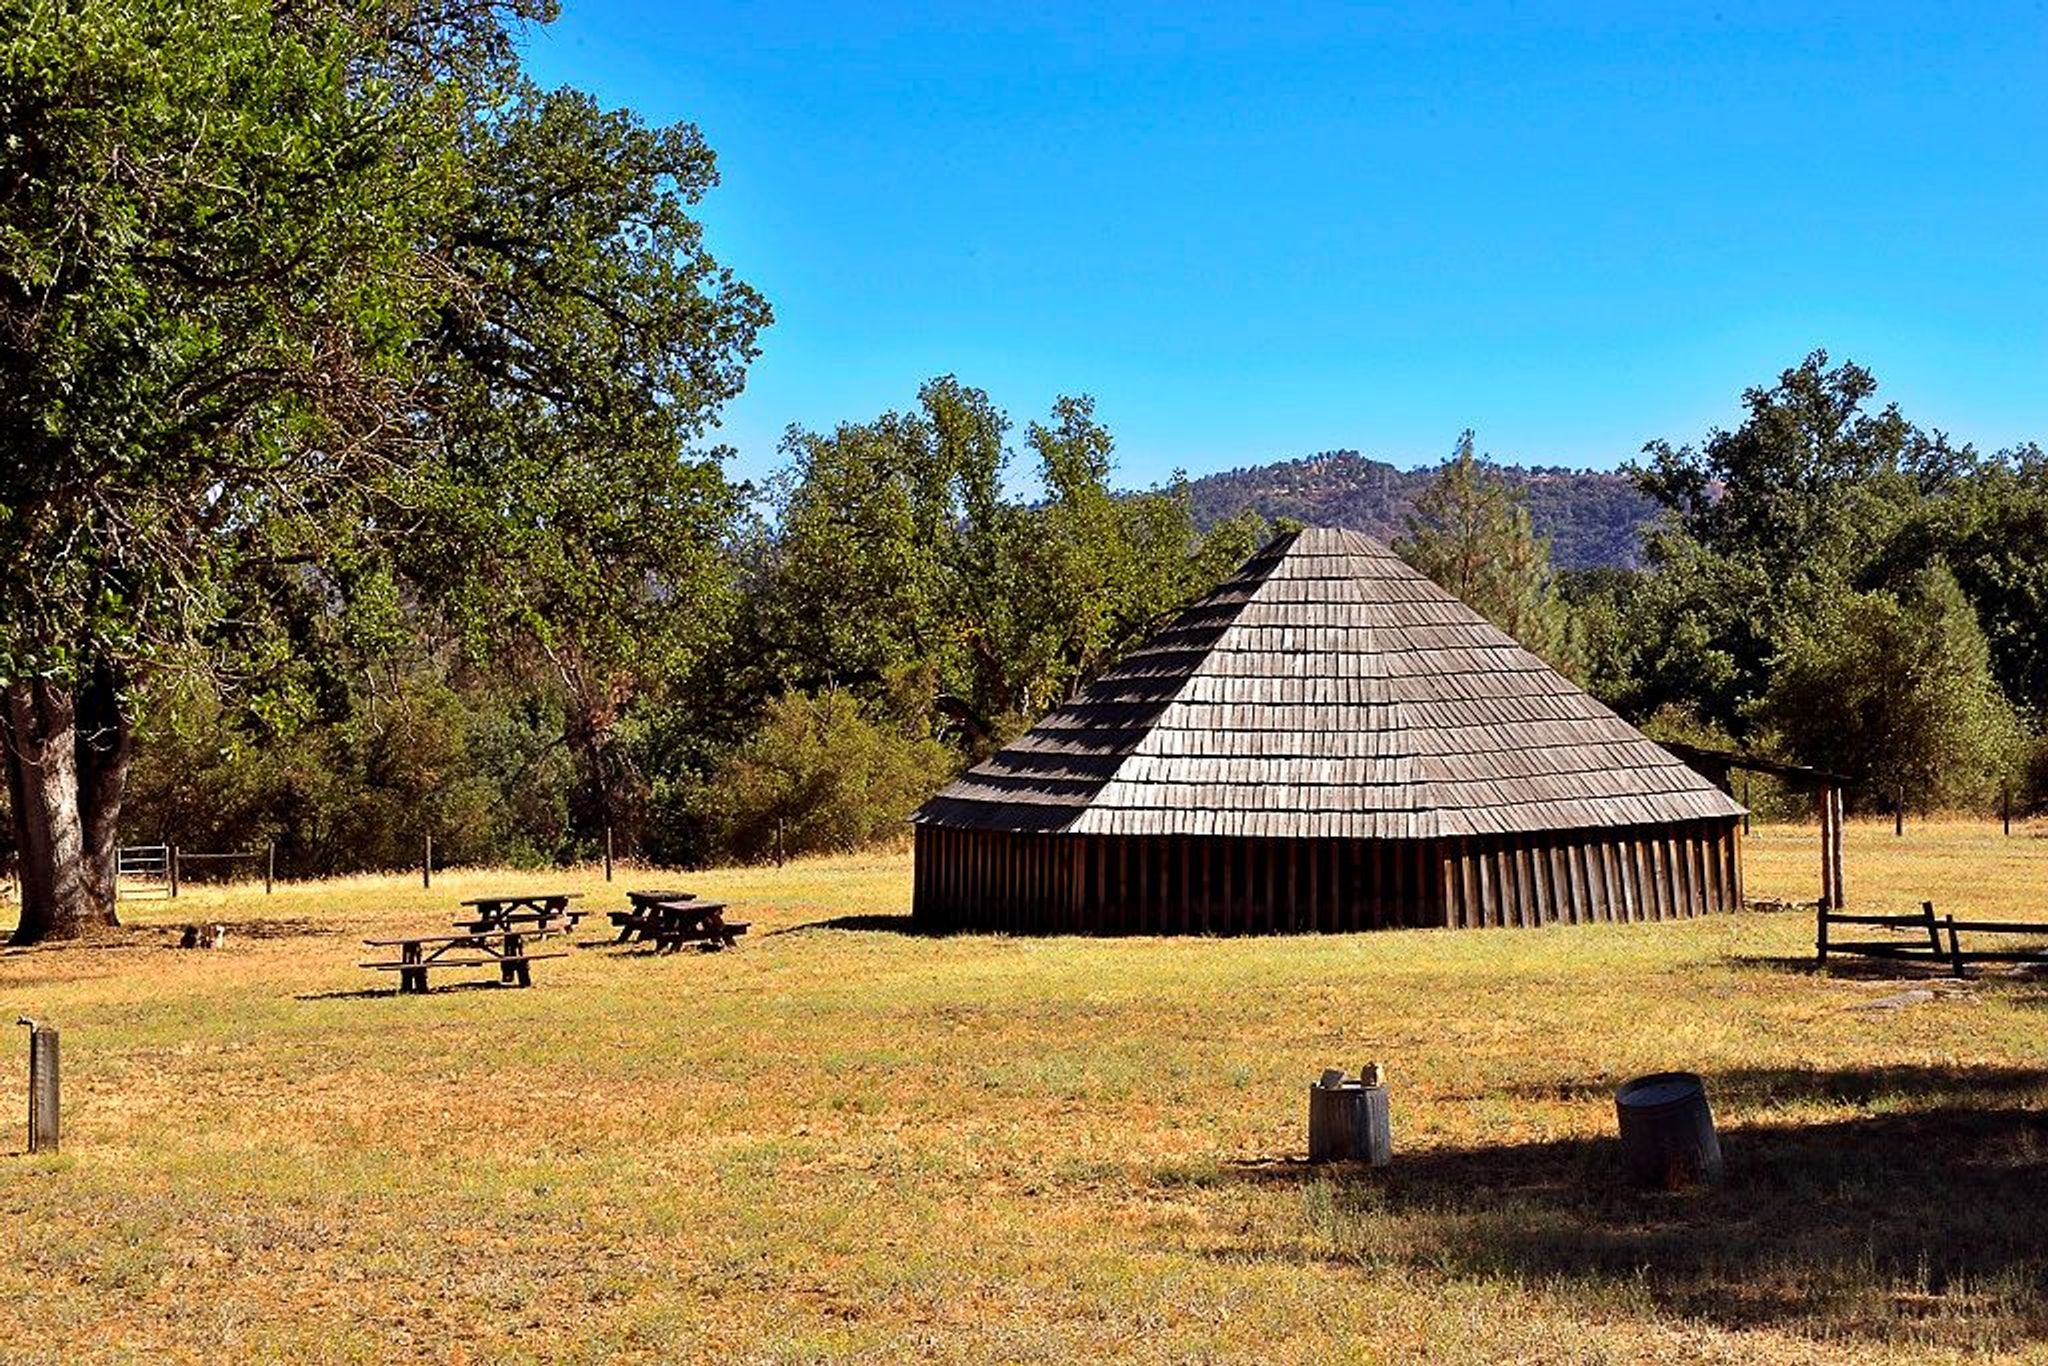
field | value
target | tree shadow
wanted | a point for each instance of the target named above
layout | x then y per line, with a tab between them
1748	1089
2027	981
385	993
869	924
1920	1222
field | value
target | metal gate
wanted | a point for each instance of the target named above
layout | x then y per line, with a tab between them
144	870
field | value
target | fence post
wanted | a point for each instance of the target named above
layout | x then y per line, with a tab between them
269	866
42	1087
607	853
1899	815
1827	845
1840	896
1955	951
173	852
2005	807
1933	934
1820	931
427	863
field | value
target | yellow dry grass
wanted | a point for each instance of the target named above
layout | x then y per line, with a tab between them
854	1144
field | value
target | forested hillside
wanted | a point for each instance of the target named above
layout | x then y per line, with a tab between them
1591	517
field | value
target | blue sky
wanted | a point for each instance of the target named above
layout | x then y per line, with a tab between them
1257	233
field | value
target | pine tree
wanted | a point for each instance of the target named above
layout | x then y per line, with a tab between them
1470	532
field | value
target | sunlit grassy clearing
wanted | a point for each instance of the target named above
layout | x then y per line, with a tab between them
864	1144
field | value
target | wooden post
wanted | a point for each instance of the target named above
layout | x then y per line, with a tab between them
173	861
1955	950
1899	815
269	866
1933	934
427	863
42	1088
607	853
1827	846
2005	808
1820	931
1841	895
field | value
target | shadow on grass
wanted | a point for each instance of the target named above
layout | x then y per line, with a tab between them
870	924
1921	1223
2028	983
384	993
1748	1089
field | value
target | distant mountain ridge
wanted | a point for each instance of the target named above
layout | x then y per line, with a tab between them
1594	518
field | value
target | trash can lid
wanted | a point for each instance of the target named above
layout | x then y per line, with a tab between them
1660	1088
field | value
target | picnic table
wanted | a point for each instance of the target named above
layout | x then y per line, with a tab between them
670	920
545	910
508	950
641	905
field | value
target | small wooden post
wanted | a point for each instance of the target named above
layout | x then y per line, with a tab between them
42	1087
1899	815
607	853
1841	821
1820	931
1827	846
269	866
173	852
427	863
1955	950
2005	808
1933	933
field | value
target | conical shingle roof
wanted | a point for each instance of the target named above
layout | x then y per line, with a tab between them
1328	690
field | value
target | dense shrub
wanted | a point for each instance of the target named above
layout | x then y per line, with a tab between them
821	775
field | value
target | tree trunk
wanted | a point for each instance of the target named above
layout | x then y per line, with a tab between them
61	898
106	745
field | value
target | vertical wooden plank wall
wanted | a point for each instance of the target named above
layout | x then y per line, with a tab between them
1054	884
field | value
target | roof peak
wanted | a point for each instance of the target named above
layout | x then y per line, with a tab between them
1327	688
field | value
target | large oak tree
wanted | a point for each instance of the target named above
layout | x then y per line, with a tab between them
297	295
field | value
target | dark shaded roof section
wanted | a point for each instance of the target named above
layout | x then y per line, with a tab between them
1715	763
1327	689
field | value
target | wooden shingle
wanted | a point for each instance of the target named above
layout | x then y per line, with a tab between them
1328	690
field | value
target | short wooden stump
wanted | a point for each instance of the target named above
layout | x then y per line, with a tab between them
1667	1131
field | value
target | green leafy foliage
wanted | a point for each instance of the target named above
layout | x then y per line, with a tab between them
822	775
322	326
1895	690
899	553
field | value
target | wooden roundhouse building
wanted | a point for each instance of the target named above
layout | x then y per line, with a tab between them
1327	742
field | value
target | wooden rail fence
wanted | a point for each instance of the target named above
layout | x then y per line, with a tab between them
1943	939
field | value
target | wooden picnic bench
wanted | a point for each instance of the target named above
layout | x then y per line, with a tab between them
542	909
639	905
506	950
669	925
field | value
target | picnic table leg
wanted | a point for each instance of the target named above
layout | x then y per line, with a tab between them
412	978
525	971
513	974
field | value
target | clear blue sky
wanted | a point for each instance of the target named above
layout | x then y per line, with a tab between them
1259	233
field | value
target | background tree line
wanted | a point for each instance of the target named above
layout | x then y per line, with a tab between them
357	484
1827	583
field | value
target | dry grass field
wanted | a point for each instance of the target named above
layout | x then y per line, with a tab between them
844	1142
